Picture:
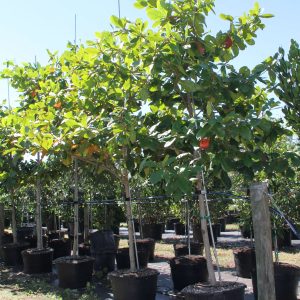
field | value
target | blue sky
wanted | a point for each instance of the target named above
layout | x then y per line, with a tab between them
28	28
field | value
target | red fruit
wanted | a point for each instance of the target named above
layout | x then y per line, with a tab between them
204	143
228	42
57	105
200	48
33	93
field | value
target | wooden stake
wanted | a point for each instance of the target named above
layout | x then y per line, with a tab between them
263	241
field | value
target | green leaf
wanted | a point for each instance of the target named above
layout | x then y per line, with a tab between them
156	177
190	86
170	143
245	132
155	14
266	16
226	17
140	4
116	21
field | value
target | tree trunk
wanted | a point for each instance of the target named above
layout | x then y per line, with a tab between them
76	209
2	216
129	221
86	223
201	199
39	232
263	241
13	218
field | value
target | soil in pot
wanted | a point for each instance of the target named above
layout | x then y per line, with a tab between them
286	281
181	249
189	269
153	231
223	290
147	245
74	272
12	253
138	285
244	259
123	260
61	247
179	228
37	261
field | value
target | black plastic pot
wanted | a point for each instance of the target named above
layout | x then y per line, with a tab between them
136	225
232	218
103	249
189	269
246	231
153	231
23	233
6	222
32	240
12	253
224	290
179	228
181	249
286	281
197	234
61	247
53	235
170	223
138	285
147	245
7	238
123	260
244	259
222	221
117	240
84	249
284	238
115	229
216	228
37	261
74	272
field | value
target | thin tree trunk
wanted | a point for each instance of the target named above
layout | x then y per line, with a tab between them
39	232
129	221
13	218
76	209
201	199
2	216
86	223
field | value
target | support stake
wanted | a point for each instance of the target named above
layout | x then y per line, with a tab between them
263	241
